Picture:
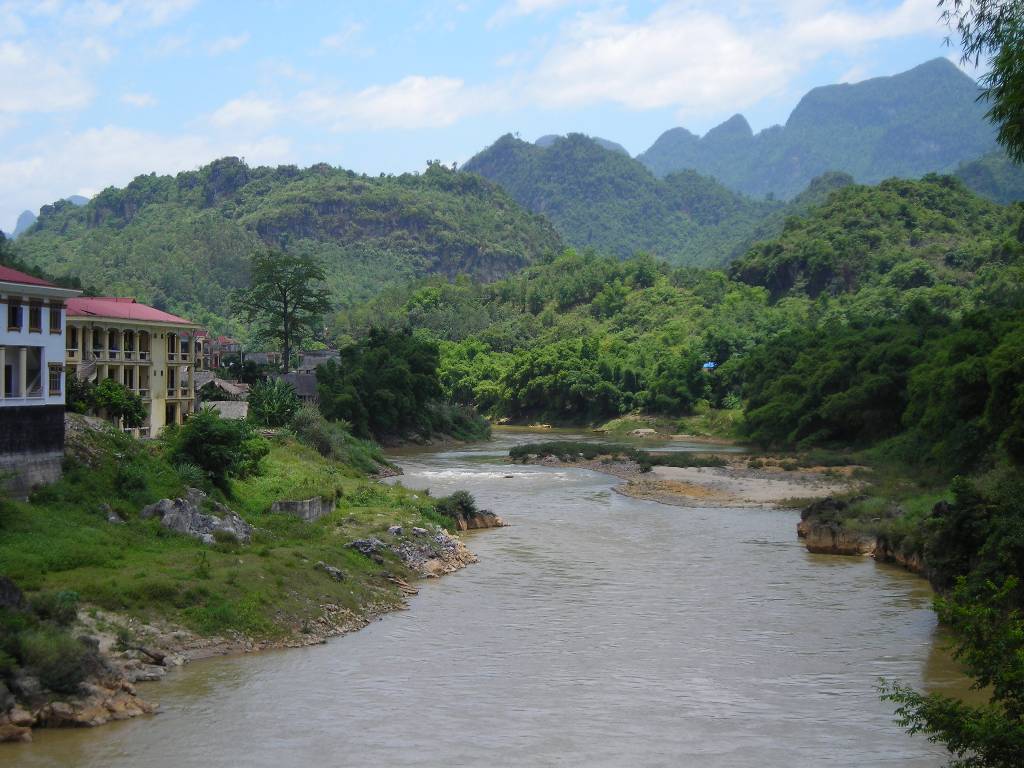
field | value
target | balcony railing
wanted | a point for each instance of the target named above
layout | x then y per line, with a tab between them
129	354
72	354
143	392
143	354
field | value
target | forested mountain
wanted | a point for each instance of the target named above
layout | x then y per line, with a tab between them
927	119
994	176
183	242
602	198
26	218
549	139
583	337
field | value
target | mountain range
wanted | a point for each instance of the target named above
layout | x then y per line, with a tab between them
928	119
183	242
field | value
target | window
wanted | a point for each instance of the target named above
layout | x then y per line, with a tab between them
55	371
54	319
13	316
35	318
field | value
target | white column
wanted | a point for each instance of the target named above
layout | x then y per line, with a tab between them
23	372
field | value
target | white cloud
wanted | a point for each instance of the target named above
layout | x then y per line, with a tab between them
412	102
699	57
227	44
249	112
140	100
347	40
34	82
55	167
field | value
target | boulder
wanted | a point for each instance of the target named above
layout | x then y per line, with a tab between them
6	698
417	531
186	516
369	547
24	685
112	517
335	573
395	530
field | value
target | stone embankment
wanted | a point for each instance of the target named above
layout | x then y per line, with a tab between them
825	531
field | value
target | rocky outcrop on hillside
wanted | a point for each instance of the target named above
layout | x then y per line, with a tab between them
186	516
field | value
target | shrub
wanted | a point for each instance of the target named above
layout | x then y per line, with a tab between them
60	661
334	440
459	504
273	403
191	475
222	448
59	607
130	478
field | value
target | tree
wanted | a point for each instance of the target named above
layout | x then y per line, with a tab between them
992	31
118	402
383	385
285	300
989	635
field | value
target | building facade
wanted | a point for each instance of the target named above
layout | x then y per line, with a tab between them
151	352
32	379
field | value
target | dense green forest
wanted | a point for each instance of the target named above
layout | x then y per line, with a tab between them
183	242
583	337
924	120
600	197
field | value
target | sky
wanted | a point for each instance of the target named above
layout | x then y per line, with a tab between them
94	93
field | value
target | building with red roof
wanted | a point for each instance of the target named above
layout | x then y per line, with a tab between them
32	379
152	352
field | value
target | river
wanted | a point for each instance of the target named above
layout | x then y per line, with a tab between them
597	630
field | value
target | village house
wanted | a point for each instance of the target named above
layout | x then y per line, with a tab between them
151	352
32	383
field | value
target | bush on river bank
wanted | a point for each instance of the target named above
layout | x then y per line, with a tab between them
566	450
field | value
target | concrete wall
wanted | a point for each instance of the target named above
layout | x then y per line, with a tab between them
308	509
31	447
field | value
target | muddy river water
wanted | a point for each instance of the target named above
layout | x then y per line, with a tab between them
596	630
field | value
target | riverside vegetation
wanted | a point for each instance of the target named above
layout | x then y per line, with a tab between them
886	323
88	561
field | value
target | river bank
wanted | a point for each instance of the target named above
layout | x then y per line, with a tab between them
741	481
561	641
121	570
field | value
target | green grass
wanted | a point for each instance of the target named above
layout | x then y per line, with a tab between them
705	422
60	539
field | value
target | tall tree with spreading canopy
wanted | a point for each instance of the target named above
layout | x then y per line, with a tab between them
285	301
992	33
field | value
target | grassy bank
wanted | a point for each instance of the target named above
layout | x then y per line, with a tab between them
704	422
61	540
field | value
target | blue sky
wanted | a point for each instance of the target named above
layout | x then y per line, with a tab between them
96	92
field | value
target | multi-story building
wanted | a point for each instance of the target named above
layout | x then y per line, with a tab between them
153	353
32	325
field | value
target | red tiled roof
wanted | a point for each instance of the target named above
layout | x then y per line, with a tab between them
120	309
9	275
